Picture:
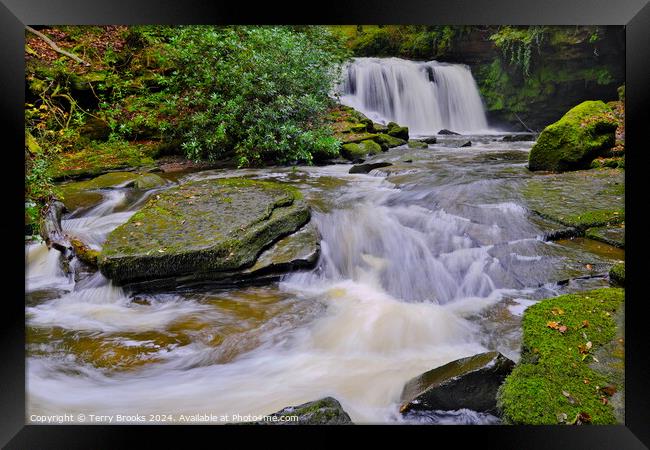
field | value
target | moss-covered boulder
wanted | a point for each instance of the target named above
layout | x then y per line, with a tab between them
613	235
470	383
576	139
558	379
412	143
386	141
617	274
202	229
397	131
85	254
355	151
326	411
149	181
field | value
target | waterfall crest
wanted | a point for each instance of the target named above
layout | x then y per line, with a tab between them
425	96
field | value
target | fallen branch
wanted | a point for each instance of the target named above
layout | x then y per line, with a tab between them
522	122
55	47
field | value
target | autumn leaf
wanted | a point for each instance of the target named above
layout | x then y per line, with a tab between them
603	400
562	329
585	324
609	389
586	381
557	311
569	397
589	267
553	325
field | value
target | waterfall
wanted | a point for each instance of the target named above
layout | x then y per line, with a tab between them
425	96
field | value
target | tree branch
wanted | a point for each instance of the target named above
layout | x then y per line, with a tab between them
55	47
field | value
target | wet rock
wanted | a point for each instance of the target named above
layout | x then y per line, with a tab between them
326	411
467	144
417	144
614	235
444	131
365	168
201	231
149	181
429	140
85	254
470	383
581	199
524	137
576	139
617	274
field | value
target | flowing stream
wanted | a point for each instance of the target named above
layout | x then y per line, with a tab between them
423	262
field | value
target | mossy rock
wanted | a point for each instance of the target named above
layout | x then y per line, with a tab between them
386	141
554	382
580	199
149	181
326	411
85	253
95	129
617	274
107	181
31	144
417	144
201	228
576	139
612	163
357	151
614	235
397	131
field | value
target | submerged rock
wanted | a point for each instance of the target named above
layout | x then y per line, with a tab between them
326	411
149	181
365	168
201	231
576	139
470	383
429	140
417	144
444	131
467	144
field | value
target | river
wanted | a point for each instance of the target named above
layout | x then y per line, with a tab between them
426	261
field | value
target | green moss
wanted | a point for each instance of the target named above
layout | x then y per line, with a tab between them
617	274
202	227
417	144
355	151
574	141
98	158
553	362
386	141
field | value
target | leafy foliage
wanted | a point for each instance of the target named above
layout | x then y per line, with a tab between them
518	44
260	91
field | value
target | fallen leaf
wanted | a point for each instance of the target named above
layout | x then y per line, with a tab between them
586	381
610	389
557	311
585	324
595	359
160	250
562	329
553	325
589	266
603	400
562	417
569	397
582	418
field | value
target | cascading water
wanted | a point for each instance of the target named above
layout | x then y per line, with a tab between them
422	263
425	96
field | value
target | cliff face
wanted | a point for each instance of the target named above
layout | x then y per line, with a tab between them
528	76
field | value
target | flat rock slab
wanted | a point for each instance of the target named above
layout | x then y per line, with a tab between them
614	235
202	228
470	383
582	199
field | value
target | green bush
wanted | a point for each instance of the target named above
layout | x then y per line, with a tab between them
259	93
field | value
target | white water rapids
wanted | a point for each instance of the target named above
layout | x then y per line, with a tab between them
425	96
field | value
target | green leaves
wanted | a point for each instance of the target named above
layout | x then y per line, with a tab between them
258	91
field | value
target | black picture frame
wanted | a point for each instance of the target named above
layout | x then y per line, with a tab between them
633	14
